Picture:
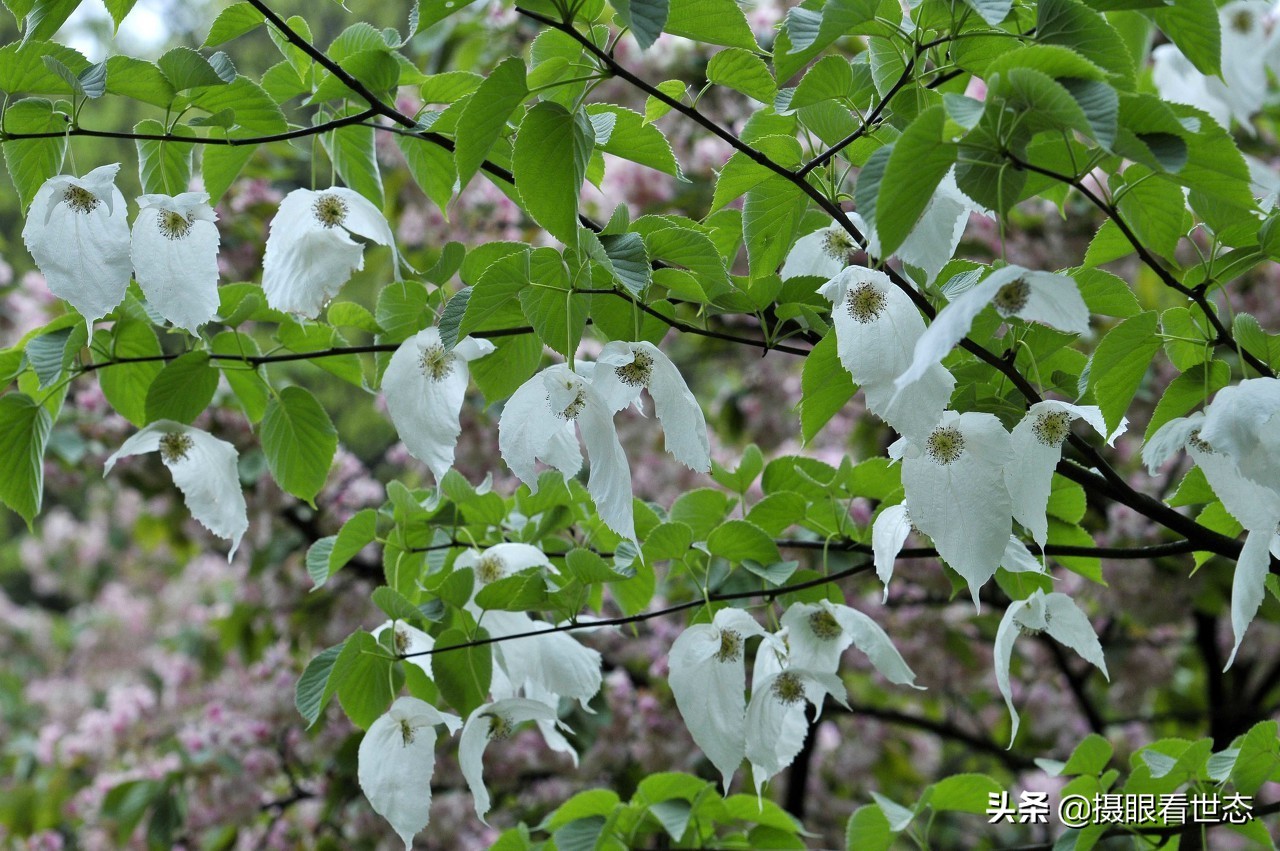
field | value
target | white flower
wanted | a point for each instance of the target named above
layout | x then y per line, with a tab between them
395	762
1043	297
409	640
203	468
955	492
78	232
502	560
877	327
424	386
1243	421
487	723
888	534
1056	614
175	257
776	714
538	423
624	369
708	679
554	663
501	688
1037	448
310	253
820	632
820	254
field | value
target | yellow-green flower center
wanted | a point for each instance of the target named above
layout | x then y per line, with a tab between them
174	225
400	641
1199	443
490	568
1242	21
865	303
174	447
837	245
406	731
945	444
575	407
80	199
1012	297
1052	427
824	625
636	373
730	646
330	210
435	362
500	726
788	688
1031	630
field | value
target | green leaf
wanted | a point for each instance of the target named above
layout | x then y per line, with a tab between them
140	80
24	431
557	315
1106	293
163	167
655	108
31	162
126	384
1072	24
233	22
352	151
186	69
309	695
362	677
22	67
1258	760
256	112
299	442
46	17
868	830
511	364
550	163
737	540
770	216
428	13
645	18
743	71
395	606
519	593
991	11
1091	756
486	115
355	535
245	380
1119	364
825	387
700	510
118	9
633	139
46	355
712	22
1193	26
964	793
431	167
183	389
1153	207
628	260
220	165
463	675
589	568
920	159
402	310
667	541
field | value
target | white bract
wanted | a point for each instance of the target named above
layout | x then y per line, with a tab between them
624	369
490	722
1045	297
541	665
1037	448
204	469
395	762
175	257
408	640
818	633
955	492
877	328
501	560
1243	421
820	254
1056	614
537	423
708	679
424	386
78	232
888	534
310	253
776	714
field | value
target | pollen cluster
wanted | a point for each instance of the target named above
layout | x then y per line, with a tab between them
400	640
945	444
824	625
788	688
865	303
1012	297
1029	630
1242	21
329	209
174	447
500	726
837	245
490	568
1199	443
174	225
636	373
575	407
436	363
1052	427
406	732
80	199
730	646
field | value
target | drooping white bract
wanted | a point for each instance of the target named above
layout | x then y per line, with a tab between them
624	369
203	468
1255	505
820	254
502	560
396	759
776	713
501	688
409	640
1056	614
553	663
1037	448
818	633
538	423
1045	297
175	256
78	232
424	386
888	534
1243	421
955	492
310	253
708	679
490	722
877	327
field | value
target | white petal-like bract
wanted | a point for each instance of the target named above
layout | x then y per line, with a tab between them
78	232
820	254
409	640
820	632
502	560
175	257
888	534
490	722
775	713
424	386
203	467
554	662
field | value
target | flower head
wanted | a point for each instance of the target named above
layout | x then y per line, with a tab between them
424	386
395	762
204	469
77	231
310	253
175	257
494	722
776	722
406	640
820	254
502	560
820	632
